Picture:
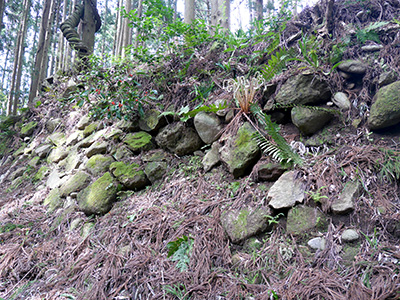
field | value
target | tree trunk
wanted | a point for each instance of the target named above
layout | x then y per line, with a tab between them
2	7
18	62
61	42
127	31
103	46
220	13
89	24
45	57
140	12
189	11
259	10
118	31
39	55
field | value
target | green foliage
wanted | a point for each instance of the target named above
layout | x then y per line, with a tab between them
180	251
390	166
317	196
178	290
277	63
280	150
369	33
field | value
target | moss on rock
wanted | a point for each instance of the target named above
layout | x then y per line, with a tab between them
131	176
139	141
98	164
27	129
98	197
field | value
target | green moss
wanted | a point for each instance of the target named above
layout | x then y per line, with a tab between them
41	173
98	164
53	200
302	219
90	129
98	197
241	223
28	128
139	141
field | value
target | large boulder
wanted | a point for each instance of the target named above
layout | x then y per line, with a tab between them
212	157
98	198
308	120
179	139
243	223
208	126
240	151
286	191
131	176
385	111
305	88
27	129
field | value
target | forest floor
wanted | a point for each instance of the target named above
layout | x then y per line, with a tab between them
125	255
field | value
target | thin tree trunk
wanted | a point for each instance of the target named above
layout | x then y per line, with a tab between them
45	58
140	12
61	42
18	62
103	46
40	51
127	31
259	10
2	7
189	11
119	31
5	68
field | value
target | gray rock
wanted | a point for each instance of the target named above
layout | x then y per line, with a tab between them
27	129
342	101
98	198
350	235
286	192
57	154
155	170
308	120
240	151
83	122
54	180
96	148
179	139
74	138
372	48
385	111
53	124
72	161
34	161
212	157
122	153
353	66
241	224
208	126
70	88
269	171
345	202
387	78
43	150
152	121
17	173
75	183
317	243
301	219
304	88
129	126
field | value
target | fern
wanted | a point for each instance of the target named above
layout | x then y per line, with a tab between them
280	150
180	251
277	63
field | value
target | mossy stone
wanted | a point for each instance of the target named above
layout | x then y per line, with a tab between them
34	161
75	183
151	120
130	175
90	129
98	164
53	200
302	219
98	197
155	170
27	129
139	141
40	174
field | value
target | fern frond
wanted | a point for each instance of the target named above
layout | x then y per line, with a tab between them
281	150
277	63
